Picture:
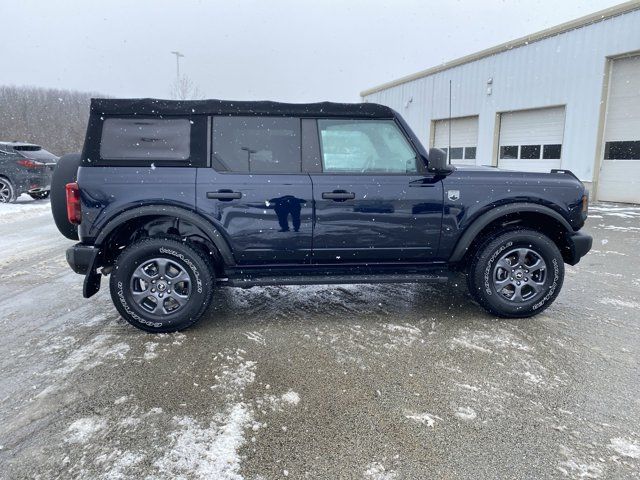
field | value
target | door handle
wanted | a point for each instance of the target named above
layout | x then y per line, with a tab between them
224	195
338	195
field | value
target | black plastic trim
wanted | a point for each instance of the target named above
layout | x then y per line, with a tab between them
170	211
81	258
579	244
476	227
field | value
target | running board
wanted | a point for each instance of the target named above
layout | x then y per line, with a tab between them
247	282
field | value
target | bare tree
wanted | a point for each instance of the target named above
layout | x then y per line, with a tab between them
55	119
183	88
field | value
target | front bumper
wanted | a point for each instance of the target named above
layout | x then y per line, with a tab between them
84	259
579	245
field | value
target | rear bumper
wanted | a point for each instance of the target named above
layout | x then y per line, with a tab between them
34	183
82	258
579	245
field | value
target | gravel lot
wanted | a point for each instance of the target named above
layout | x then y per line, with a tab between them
357	381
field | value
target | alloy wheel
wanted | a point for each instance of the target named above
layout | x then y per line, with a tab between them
519	275
160	286
6	191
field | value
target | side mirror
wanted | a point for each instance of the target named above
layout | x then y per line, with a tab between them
438	161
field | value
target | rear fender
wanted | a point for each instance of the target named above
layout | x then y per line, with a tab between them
212	232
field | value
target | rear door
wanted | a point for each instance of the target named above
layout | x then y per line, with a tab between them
255	191
374	200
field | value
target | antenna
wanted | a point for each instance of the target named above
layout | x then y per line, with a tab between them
449	150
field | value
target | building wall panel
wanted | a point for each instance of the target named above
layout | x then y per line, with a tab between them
563	70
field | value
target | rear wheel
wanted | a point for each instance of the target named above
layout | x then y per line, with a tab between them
516	274
39	195
7	191
161	284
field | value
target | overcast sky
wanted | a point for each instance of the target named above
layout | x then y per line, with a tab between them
294	51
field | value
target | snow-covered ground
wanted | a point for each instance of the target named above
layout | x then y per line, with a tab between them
24	207
355	381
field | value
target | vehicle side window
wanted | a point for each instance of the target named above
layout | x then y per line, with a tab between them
146	139
365	146
256	144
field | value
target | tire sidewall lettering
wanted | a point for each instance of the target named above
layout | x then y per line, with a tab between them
130	312
489	267
552	287
188	262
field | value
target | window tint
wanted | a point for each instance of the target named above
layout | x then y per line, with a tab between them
622	150
145	139
530	152
365	146
552	152
470	153
509	152
456	153
256	144
39	154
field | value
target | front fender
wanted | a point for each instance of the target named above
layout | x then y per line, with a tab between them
472	231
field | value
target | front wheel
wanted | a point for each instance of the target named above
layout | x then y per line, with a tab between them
161	284
516	274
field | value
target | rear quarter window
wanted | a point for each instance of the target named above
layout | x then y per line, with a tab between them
146	139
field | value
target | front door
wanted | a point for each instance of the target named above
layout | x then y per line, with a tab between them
255	192
374	200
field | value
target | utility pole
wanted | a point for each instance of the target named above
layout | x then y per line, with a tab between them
178	56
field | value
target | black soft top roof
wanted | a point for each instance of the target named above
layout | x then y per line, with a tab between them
153	106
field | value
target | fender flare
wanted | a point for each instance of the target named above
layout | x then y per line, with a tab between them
211	231
486	218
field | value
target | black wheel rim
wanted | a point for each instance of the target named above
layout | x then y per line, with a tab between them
520	275
160	286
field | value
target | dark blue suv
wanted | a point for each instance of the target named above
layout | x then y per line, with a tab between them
174	199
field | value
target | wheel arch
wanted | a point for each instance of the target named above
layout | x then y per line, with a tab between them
164	219
537	217
8	178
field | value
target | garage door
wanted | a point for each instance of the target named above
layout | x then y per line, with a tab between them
531	140
464	139
619	179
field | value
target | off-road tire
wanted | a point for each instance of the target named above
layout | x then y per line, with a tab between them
66	171
189	258
9	191
482	273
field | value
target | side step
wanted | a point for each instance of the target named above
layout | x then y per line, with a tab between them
247	282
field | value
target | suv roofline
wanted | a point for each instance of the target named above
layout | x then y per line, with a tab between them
157	107
20	144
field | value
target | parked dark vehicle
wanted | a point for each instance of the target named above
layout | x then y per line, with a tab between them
176	198
25	168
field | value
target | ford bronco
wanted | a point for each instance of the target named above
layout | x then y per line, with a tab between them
174	199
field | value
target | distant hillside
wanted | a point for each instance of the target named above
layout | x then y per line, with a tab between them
55	119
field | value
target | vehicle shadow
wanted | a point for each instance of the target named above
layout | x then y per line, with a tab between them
299	305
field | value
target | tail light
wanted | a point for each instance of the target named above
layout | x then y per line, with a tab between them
74	212
30	163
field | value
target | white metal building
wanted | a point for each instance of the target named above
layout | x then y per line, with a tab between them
567	97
